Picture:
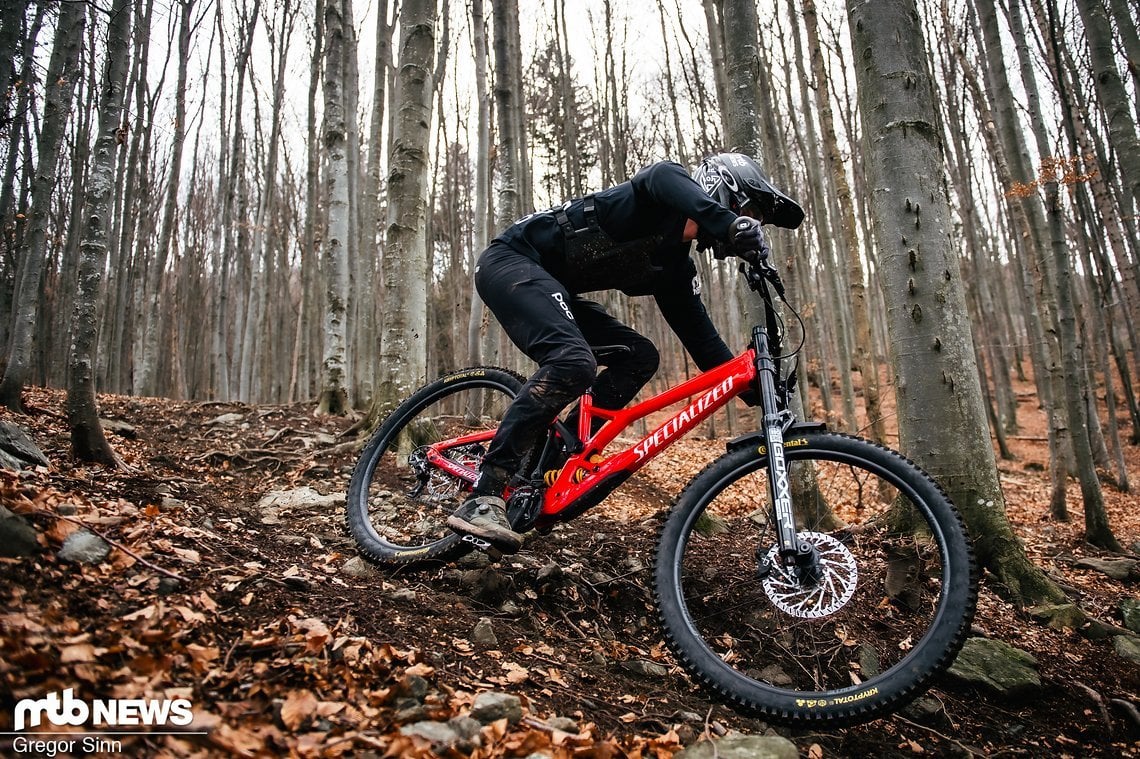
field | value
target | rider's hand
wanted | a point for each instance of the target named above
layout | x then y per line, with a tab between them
746	240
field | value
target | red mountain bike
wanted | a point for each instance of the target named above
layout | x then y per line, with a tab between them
807	576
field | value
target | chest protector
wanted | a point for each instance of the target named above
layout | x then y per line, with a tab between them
595	261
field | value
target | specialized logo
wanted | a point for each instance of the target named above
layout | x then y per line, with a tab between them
562	303
65	709
681	423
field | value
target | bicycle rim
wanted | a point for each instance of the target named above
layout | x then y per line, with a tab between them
411	476
889	606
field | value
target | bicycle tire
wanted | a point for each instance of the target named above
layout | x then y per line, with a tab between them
396	503
861	656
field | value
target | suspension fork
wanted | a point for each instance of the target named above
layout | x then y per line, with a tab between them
792	550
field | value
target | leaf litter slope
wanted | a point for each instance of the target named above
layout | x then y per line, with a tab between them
254	617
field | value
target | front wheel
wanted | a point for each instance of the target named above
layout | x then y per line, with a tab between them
884	607
420	464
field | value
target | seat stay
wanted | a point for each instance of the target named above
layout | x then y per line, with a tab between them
435	453
713	389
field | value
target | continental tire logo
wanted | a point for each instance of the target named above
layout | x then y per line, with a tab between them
464	375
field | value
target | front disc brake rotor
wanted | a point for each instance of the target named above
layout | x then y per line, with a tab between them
838	577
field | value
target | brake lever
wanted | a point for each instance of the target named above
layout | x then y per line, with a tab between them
757	274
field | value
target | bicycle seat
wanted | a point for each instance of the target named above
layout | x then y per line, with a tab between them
603	352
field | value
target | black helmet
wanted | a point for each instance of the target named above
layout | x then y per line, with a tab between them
734	180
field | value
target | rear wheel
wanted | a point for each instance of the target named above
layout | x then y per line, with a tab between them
409	479
884	608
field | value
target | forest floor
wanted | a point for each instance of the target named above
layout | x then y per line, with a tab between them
252	616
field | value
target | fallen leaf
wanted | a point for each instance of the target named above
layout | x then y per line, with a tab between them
298	706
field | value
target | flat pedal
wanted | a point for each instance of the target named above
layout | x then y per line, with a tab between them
484	546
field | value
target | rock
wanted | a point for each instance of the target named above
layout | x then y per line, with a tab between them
118	427
484	634
491	706
359	567
17	537
632	565
645	668
510	608
299	498
84	547
440	734
225	419
738	746
549	573
1130	611
565	724
404	594
710	524
474	560
998	666
1060	616
277	502
170	503
18	449
925	711
1127	646
775	675
466	727
760	516
1125	570
168	585
415	688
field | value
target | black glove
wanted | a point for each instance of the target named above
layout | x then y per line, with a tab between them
746	240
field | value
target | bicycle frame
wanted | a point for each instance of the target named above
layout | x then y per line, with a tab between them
570	494
715	388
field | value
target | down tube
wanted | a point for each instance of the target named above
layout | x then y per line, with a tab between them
722	388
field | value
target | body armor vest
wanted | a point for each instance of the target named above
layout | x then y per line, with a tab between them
595	261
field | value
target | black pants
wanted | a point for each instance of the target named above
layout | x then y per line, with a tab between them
556	330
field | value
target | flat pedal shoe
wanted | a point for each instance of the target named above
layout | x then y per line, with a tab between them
485	517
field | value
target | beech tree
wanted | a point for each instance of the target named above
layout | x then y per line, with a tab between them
334	395
62	74
88	442
403	342
942	421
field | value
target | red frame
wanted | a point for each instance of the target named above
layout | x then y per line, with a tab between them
713	389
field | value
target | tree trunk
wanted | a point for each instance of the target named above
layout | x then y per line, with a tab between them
1097	530
88	443
334	395
62	73
152	326
864	346
403	342
482	174
942	419
507	108
1113	97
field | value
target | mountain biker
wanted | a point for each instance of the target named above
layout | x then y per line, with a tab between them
635	237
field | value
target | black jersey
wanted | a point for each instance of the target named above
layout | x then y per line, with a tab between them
640	249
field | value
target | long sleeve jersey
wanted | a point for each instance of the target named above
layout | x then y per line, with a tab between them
639	248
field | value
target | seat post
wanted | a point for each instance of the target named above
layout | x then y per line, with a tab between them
585	415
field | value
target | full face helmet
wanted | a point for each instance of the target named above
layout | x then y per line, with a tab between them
739	184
